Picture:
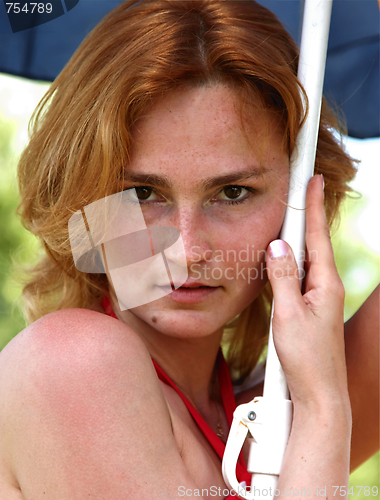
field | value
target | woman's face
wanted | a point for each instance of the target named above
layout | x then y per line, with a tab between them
223	184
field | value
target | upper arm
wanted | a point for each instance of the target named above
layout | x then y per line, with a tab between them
362	357
85	416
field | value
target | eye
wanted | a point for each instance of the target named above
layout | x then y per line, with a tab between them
139	194
143	192
235	194
230	195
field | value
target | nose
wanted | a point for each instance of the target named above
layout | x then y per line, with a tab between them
195	235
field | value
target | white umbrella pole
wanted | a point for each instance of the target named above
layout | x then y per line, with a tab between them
268	419
311	69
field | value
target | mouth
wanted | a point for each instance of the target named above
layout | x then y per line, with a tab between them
193	287
189	284
187	294
193	284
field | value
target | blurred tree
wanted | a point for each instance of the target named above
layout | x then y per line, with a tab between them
15	242
357	264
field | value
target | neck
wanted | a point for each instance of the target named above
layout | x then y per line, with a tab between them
192	367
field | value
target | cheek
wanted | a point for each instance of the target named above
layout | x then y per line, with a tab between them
270	223
254	231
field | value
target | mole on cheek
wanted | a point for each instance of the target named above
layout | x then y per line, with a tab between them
154	319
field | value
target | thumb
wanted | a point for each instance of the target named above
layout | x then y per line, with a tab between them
284	278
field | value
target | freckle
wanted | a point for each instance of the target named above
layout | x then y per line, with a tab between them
154	319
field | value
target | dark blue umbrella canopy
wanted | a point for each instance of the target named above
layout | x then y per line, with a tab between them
38	44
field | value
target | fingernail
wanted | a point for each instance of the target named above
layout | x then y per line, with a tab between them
277	249
323	181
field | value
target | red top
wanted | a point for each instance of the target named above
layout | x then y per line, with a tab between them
228	399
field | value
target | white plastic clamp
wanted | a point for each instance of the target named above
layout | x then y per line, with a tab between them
268	421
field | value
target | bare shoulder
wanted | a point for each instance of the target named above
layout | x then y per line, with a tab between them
71	330
72	349
78	391
72	346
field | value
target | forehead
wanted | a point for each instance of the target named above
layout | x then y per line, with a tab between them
204	131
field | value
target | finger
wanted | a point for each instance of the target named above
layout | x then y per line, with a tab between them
306	265
318	242
284	277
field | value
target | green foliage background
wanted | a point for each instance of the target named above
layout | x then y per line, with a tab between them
358	265
15	242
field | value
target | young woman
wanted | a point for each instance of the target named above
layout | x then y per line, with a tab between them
196	106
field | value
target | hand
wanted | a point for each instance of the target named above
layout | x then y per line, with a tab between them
308	328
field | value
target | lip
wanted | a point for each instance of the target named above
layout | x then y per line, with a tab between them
189	295
189	283
192	284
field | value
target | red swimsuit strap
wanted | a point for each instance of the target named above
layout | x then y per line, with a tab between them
228	399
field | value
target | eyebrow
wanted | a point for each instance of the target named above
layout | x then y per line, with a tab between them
208	183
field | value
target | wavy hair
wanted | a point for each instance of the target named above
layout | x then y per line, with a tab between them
81	132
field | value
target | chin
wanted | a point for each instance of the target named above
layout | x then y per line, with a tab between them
185	323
